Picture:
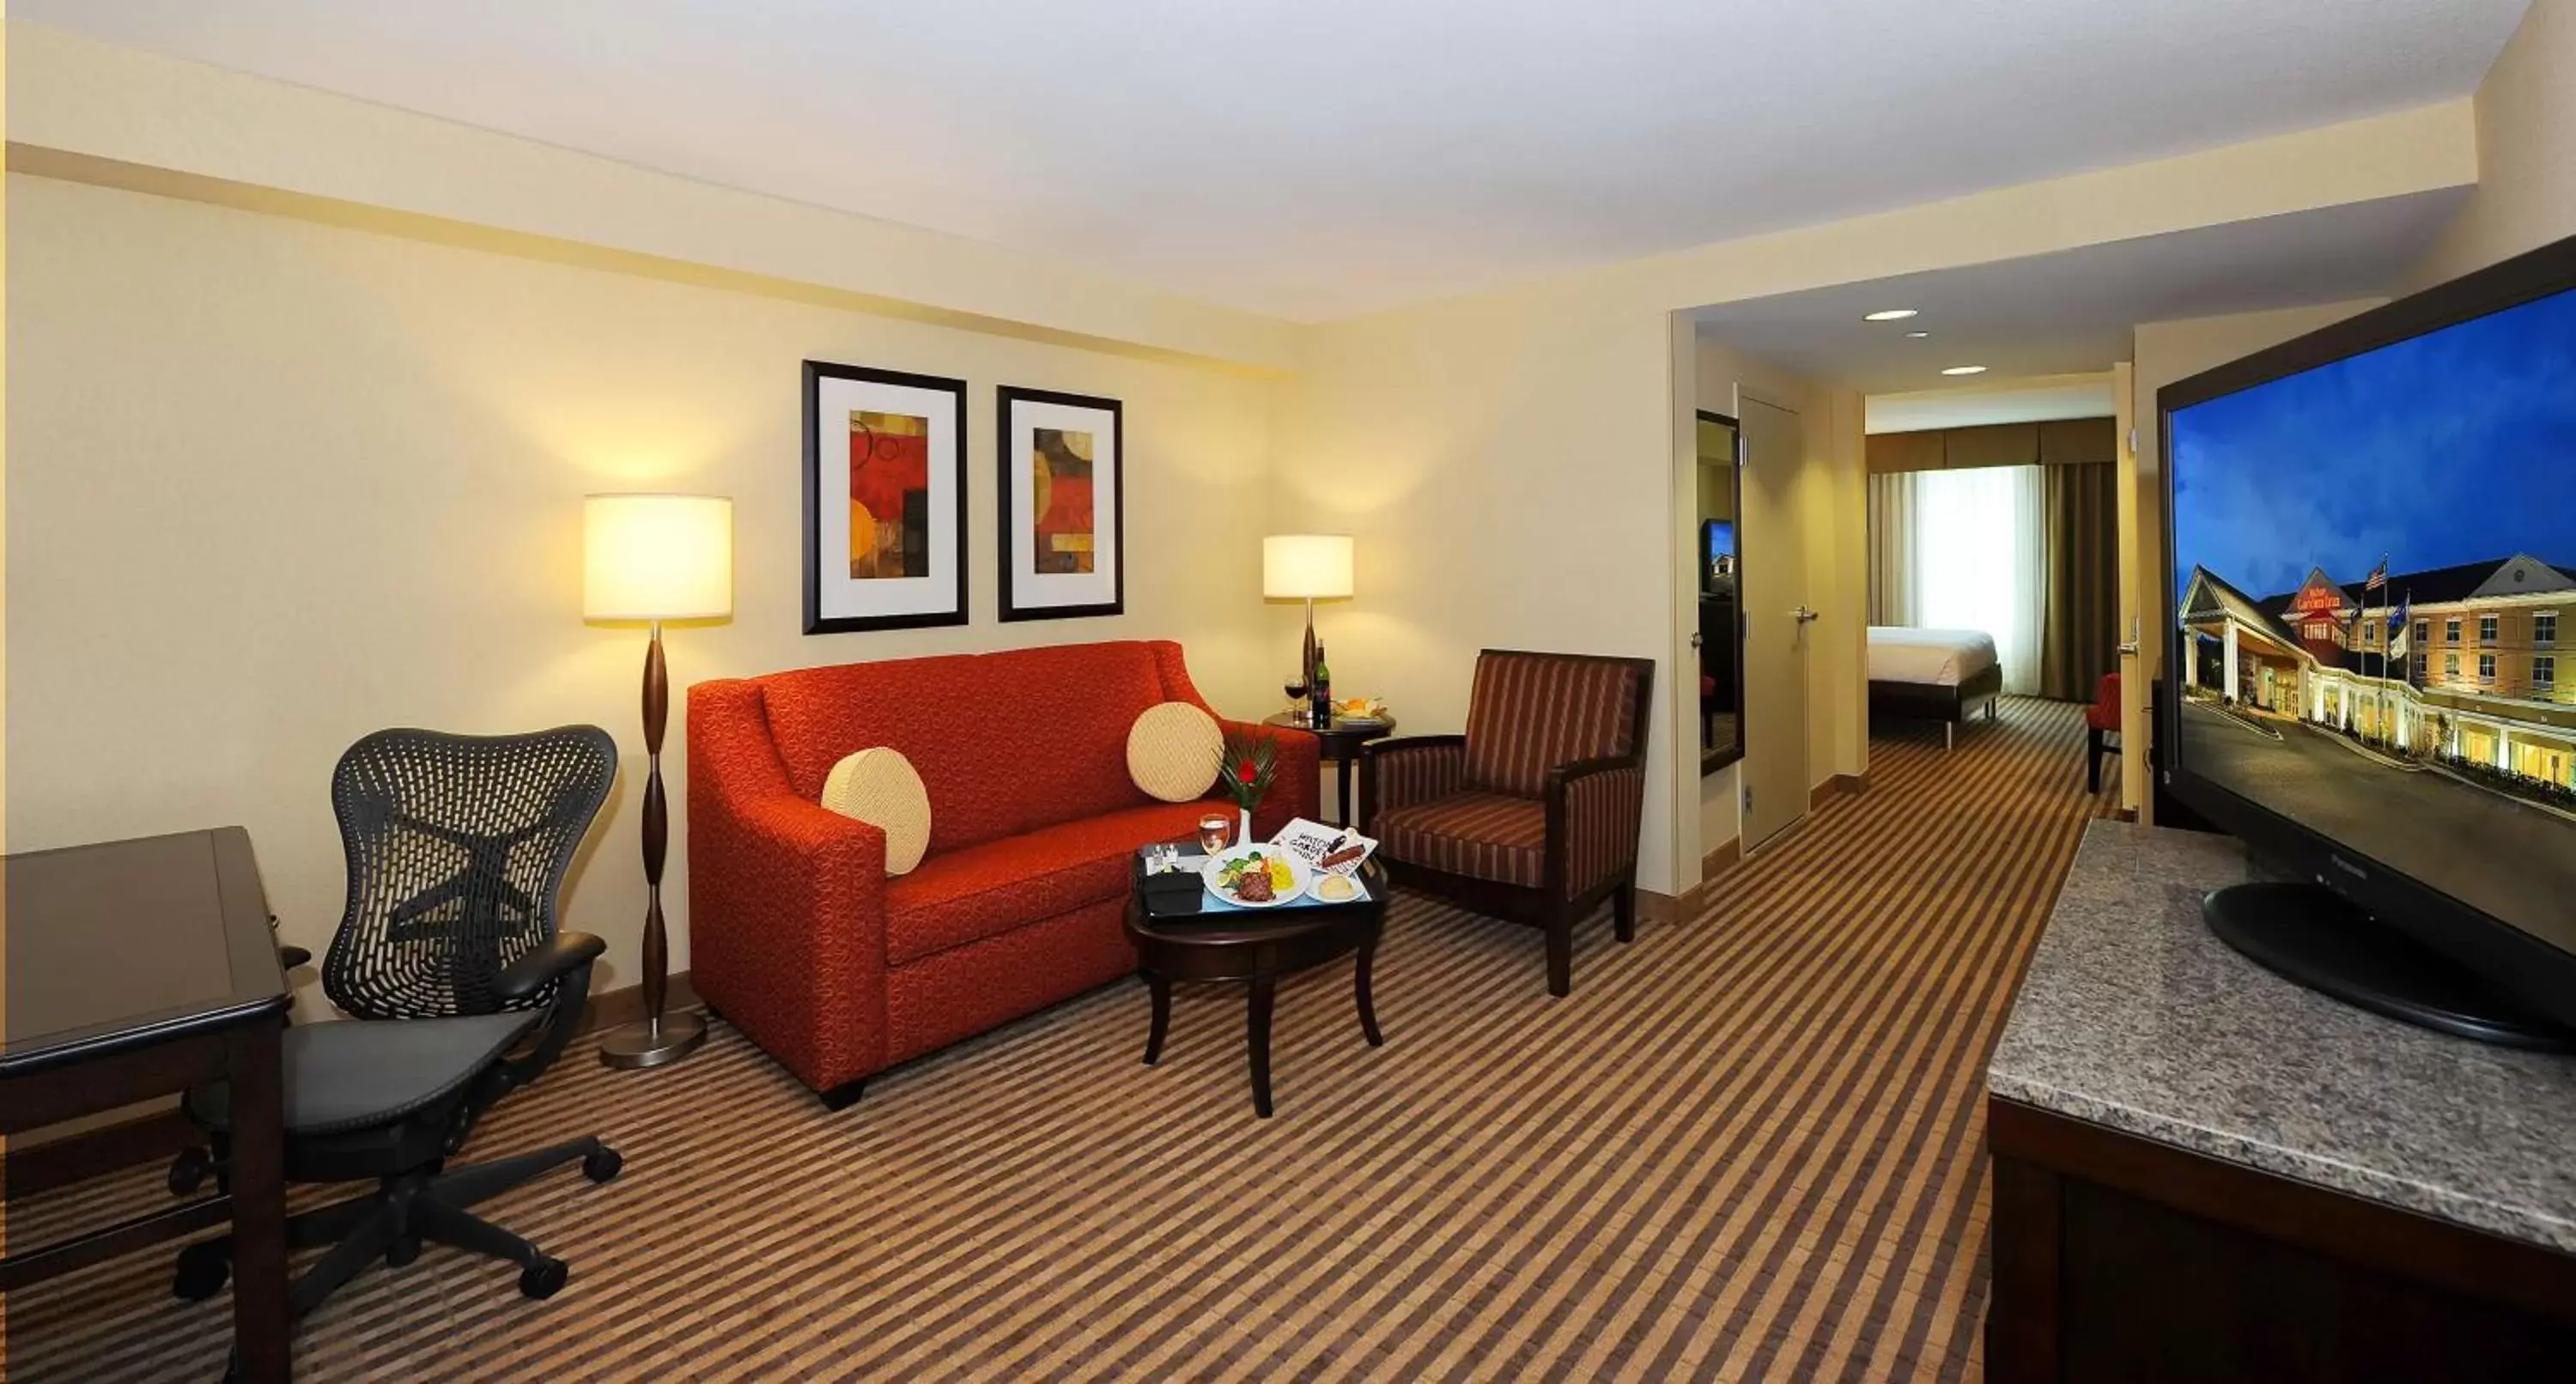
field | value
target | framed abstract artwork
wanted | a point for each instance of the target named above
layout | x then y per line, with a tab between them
885	499
1063	544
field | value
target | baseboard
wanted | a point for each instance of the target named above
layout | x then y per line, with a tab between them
1721	860
627	1006
1668	908
1836	786
27	1169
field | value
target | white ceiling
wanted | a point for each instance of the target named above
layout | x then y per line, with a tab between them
2004	401
2070	313
1316	158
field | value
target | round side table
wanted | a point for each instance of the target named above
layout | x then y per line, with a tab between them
1341	743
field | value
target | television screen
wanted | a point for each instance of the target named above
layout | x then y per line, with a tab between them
2375	560
1721	539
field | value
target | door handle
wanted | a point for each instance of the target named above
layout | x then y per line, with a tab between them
1803	615
2129	648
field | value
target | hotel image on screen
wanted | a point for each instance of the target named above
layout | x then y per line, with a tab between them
2374	561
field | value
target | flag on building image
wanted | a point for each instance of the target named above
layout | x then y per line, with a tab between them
2400	627
2378	576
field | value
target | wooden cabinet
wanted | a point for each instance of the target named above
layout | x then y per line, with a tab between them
2118	1258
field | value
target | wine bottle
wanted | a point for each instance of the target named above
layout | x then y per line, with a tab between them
1322	691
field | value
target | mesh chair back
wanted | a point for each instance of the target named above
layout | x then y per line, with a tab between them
457	848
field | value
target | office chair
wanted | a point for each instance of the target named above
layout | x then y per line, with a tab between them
459	988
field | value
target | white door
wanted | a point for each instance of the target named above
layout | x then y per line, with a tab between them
1774	581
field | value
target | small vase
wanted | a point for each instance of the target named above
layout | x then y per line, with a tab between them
1243	826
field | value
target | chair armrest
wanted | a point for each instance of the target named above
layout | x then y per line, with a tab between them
1296	789
1409	769
1595	808
563	953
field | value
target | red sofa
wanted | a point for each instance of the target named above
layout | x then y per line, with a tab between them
800	940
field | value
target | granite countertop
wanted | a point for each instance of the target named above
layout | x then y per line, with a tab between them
2135	1016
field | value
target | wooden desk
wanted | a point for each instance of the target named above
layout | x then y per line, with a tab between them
140	969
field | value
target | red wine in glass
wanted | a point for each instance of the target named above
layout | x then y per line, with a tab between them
1295	687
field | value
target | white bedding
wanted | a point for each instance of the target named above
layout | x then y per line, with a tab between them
1943	658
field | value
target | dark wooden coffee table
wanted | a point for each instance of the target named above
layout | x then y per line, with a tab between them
1258	946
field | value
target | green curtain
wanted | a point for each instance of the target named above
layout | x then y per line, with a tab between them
2079	628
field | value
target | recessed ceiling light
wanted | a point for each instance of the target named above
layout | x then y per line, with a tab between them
1964	370
1916	336
1888	315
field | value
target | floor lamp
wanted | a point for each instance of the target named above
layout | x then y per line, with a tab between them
647	559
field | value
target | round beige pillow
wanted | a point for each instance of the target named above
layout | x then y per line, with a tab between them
1174	751
879	787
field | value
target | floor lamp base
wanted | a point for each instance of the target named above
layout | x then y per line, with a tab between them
652	1042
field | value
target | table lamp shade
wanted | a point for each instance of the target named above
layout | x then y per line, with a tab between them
657	557
1308	566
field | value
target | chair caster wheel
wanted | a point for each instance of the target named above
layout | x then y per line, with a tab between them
203	1269
544	1278
402	1251
604	1165
188	1171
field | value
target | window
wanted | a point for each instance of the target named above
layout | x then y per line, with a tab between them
2451	630
2423	631
2544	629
2486	667
2423	667
2450	665
2486	629
2370	634
2544	672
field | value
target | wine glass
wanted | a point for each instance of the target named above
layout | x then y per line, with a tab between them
1295	687
1215	829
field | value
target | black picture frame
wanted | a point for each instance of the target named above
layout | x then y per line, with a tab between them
816	622
1009	478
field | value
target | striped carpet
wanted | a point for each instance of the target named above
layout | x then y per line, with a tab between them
1747	1146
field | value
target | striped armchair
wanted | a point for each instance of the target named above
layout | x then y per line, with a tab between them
1532	815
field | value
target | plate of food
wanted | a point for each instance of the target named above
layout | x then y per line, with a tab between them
1256	876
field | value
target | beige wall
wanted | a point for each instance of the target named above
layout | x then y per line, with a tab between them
2526	116
275	484
2162	353
403	424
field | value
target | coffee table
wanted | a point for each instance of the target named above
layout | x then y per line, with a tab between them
1256	945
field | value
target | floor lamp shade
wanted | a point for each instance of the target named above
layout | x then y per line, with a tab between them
657	557
1306	566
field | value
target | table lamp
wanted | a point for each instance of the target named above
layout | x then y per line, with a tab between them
1310	567
647	559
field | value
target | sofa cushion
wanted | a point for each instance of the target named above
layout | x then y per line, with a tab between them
1491	836
1529	713
985	890
1174	751
878	786
1005	742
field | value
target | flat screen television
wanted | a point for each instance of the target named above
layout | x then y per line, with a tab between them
2370	672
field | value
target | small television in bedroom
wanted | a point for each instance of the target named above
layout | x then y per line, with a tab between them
2370	671
1717	546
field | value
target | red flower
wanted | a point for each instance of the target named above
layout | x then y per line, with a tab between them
1246	773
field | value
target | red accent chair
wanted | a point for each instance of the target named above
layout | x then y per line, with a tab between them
796	934
1532	815
2101	722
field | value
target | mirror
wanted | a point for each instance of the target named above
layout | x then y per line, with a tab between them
1713	562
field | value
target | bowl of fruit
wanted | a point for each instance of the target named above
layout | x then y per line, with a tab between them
1255	876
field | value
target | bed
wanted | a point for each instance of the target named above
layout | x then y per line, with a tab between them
1932	675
